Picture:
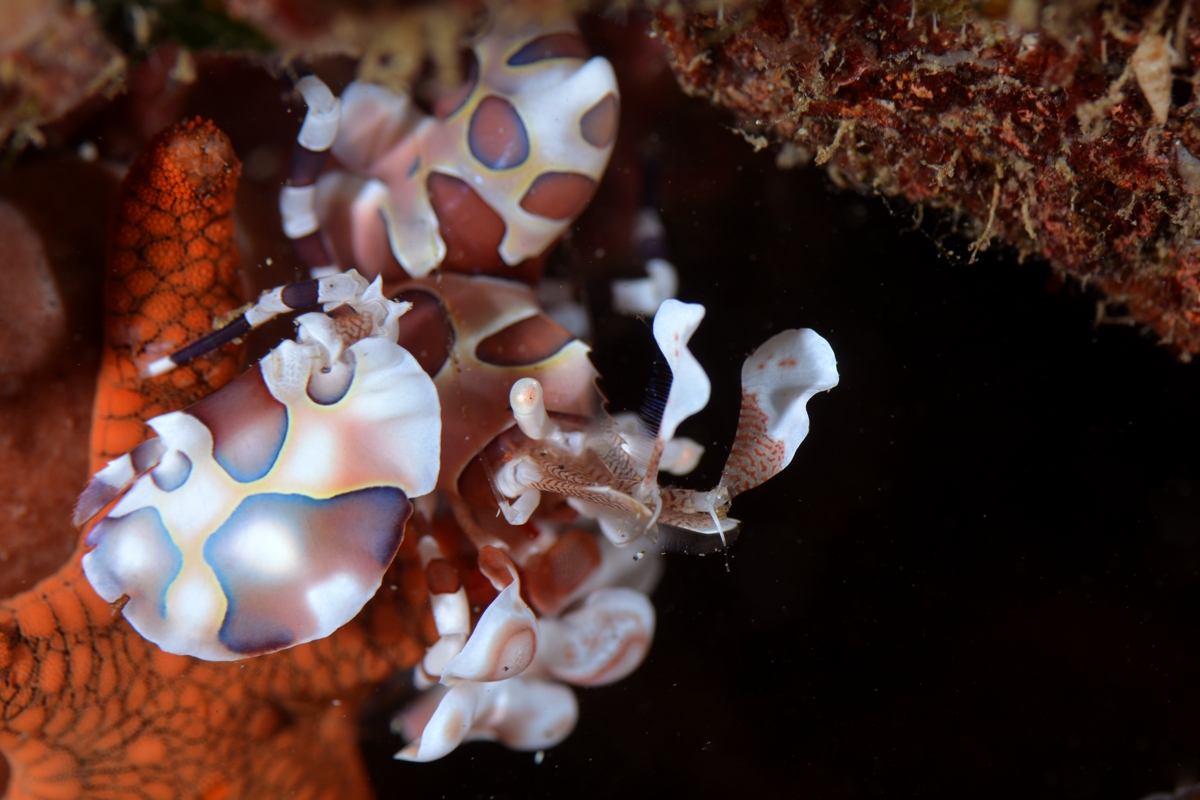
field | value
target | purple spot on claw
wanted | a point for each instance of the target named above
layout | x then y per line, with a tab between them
294	568
497	136
248	426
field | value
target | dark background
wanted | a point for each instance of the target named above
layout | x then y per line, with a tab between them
979	578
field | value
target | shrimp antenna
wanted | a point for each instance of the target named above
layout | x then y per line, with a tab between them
270	304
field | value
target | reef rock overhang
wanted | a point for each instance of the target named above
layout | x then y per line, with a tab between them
1067	130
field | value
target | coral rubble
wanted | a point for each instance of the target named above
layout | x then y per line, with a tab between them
1067	130
53	56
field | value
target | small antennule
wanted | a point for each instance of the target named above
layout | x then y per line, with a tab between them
292	297
529	409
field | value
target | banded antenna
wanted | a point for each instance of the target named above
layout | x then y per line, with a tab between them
282	300
298	198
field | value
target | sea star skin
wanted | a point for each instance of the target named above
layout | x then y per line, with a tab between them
90	708
172	266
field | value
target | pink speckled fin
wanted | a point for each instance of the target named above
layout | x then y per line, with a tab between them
778	380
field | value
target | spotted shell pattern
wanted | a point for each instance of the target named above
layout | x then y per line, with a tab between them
266	514
530	135
497	334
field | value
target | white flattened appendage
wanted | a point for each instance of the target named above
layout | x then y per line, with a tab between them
674	325
390	411
503	644
370	227
383	136
374	121
298	210
522	714
778	380
681	456
600	643
412	226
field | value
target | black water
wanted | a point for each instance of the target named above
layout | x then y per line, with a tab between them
979	578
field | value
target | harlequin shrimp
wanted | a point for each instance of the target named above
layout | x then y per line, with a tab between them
486	182
431	397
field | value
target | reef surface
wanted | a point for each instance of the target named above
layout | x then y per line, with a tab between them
1066	130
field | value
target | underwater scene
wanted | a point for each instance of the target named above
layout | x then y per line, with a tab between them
379	384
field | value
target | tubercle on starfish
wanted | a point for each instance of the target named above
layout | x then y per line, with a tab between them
515	586
172	267
91	709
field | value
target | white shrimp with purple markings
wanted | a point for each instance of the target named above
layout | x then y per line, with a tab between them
529	133
265	515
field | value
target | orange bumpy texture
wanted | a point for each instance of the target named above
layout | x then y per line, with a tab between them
93	710
90	709
172	268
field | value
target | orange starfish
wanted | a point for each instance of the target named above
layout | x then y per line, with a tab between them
172	267
90	708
